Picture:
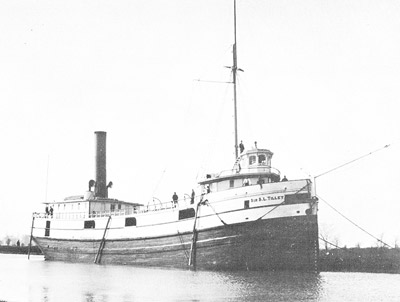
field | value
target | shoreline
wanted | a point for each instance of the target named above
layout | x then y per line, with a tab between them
19	250
362	260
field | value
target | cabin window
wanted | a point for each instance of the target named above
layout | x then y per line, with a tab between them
89	224
130	221
262	159
187	213
119	207
47	229
112	207
231	183
247	204
252	159
79	206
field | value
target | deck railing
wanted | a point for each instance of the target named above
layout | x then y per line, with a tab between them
96	214
249	170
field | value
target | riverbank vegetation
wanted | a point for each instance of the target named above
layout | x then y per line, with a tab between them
373	260
13	249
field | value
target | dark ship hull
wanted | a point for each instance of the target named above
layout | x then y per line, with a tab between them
289	243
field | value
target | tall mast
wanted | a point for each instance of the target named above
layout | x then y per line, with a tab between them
234	71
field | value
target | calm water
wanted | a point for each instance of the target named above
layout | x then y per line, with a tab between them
37	280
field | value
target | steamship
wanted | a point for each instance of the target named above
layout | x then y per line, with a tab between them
243	218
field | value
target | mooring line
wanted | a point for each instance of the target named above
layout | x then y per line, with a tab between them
349	220
270	211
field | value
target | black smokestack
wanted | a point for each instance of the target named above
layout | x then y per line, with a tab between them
101	171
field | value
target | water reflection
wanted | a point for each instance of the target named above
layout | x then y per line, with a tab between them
45	291
89	297
58	281
272	286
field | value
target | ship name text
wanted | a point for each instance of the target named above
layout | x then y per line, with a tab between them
267	198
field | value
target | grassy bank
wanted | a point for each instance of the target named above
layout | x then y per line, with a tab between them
373	260
5	249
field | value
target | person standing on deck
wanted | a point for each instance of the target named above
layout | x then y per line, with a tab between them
260	181
175	198
192	197
241	147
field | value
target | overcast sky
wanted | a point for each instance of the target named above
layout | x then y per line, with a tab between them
320	87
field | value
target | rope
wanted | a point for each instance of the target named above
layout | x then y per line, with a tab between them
207	203
358	158
212	141
270	210
338	247
308	184
159	181
323	239
379	240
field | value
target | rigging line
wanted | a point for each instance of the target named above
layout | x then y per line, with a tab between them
188	109
324	240
302	188
212	142
47	177
208	203
352	161
379	240
270	211
218	58
159	181
210	81
246	117
339	247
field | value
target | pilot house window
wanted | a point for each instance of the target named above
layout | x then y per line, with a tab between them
252	159
262	159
